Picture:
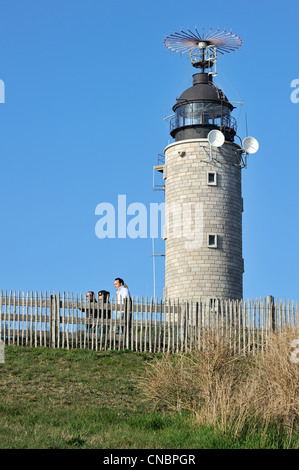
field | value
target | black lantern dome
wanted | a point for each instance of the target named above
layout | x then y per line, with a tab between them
200	109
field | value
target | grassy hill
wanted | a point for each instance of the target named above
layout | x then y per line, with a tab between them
59	399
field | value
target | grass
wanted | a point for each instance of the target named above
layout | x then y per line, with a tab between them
253	398
82	399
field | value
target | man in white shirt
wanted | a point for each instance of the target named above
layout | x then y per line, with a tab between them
122	293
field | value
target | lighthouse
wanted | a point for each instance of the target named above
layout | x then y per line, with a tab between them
202	180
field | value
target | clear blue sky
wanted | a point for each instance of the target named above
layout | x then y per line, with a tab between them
87	85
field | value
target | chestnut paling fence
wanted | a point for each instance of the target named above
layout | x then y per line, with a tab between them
142	324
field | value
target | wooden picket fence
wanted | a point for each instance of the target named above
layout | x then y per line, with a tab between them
69	321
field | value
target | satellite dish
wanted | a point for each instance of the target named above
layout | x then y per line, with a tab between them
216	138
250	145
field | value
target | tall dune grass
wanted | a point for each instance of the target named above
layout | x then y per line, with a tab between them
231	392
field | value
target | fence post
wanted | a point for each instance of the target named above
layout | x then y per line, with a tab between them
52	323
127	325
271	311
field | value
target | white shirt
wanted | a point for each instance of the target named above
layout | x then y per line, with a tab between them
122	293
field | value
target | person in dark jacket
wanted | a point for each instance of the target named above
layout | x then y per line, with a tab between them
90	312
103	297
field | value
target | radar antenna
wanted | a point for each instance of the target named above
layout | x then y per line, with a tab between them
203	48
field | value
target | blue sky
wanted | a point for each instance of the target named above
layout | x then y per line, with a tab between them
87	86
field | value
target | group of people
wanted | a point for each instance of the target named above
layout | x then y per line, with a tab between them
122	292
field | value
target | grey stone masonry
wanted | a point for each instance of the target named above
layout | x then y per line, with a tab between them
203	221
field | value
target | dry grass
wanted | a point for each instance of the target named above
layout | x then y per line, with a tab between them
228	391
276	382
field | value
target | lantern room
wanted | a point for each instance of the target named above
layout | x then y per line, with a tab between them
200	109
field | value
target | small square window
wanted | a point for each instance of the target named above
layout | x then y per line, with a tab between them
212	240
211	178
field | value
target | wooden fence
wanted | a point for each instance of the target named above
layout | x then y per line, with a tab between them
68	321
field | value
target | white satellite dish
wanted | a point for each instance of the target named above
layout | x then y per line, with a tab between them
250	145
216	138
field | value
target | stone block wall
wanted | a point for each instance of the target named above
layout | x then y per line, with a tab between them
203	221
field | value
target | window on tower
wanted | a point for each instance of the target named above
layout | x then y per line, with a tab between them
211	178
212	240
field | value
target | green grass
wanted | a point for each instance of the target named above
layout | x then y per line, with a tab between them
82	399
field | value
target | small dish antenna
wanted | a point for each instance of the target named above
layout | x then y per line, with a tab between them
250	145
216	139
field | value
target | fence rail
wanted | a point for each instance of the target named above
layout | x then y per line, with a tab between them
68	321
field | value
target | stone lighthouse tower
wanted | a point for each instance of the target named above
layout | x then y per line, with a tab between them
202	178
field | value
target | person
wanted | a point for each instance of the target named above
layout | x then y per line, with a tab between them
90	296
103	297
90	312
122	293
122	290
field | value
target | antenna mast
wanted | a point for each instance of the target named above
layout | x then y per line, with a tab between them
203	49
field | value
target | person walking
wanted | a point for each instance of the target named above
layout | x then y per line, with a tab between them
122	293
